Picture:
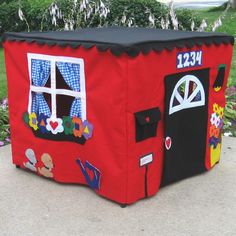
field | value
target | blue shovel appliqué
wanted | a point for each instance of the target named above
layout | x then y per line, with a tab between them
95	182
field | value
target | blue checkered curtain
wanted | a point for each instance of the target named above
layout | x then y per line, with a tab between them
40	70
71	75
75	110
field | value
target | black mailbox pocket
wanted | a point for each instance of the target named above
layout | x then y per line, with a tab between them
146	123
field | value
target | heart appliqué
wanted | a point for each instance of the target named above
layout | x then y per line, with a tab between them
54	124
168	143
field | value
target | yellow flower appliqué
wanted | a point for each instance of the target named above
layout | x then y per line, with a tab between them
33	122
215	107
220	112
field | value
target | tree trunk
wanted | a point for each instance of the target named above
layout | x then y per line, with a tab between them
233	4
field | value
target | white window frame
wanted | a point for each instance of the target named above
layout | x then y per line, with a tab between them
187	102
53	91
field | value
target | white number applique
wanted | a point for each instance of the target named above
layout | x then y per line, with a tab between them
189	59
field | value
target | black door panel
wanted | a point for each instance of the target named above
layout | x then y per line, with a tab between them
185	126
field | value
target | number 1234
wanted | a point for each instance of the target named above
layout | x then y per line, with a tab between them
189	59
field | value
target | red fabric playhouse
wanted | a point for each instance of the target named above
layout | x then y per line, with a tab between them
122	110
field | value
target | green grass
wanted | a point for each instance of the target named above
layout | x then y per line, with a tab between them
3	82
228	26
232	77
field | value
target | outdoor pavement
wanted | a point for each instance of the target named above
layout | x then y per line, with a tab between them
202	205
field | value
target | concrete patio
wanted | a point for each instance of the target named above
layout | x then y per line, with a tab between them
202	205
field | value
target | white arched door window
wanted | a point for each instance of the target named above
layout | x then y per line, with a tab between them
188	93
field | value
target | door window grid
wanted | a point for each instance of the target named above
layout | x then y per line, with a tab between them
183	97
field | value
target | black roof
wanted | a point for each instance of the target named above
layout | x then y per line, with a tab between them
121	39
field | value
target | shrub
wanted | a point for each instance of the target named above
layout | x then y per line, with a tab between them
9	20
229	128
185	18
4	123
142	13
34	11
93	14
136	11
219	8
